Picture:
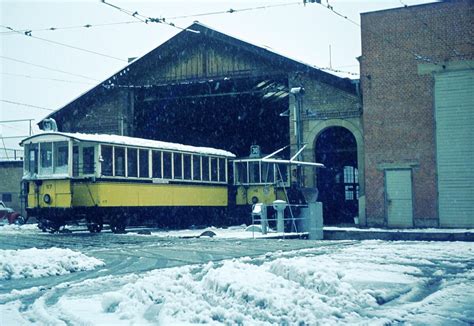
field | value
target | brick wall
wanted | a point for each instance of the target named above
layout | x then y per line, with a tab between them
398	104
11	173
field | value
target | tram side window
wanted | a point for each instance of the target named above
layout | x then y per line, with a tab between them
88	160
254	172
33	158
196	167
268	172
205	168
119	156
187	166
241	173
214	168
178	165
61	155
106	164
282	173
166	165
132	162
222	175
143	157
156	159
75	160
46	154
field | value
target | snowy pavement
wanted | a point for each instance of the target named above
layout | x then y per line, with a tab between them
149	280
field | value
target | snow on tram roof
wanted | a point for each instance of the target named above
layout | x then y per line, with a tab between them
139	142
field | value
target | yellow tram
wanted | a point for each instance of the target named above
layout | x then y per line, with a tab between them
121	181
113	179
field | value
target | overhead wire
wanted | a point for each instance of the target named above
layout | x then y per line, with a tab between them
430	30
48	68
26	105
50	29
46	78
146	19
392	43
231	11
28	34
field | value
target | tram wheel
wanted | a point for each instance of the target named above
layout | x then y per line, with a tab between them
94	227
117	228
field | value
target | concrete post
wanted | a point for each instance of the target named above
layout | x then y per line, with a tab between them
279	206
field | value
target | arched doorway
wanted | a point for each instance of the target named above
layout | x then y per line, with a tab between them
338	183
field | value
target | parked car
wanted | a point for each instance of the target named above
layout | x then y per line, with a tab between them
9	216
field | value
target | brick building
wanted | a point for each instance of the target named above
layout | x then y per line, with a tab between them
11	173
417	81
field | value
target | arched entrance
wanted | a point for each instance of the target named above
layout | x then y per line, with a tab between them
338	183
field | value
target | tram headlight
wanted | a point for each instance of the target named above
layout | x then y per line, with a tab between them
47	199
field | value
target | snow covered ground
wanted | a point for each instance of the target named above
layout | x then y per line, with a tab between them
43	262
359	282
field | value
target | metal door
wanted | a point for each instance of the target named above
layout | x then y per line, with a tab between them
454	108
398	198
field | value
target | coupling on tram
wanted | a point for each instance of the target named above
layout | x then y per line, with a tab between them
124	181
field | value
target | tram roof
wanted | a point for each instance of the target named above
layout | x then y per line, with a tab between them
132	141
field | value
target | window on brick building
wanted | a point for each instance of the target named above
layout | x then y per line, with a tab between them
6	197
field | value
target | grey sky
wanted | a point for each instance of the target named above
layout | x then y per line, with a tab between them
301	32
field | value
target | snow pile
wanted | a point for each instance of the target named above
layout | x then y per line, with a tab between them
367	282
15	228
34	262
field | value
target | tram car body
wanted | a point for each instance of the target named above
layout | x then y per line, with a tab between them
119	180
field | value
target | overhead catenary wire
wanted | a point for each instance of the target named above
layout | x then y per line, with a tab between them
231	11
28	34
430	30
417	56
165	19
51	29
26	105
46	78
146	19
48	68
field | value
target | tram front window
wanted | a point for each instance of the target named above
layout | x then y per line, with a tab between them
61	155
46	158
31	163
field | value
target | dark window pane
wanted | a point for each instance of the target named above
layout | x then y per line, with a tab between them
205	168
187	166
106	164
132	162
33	158
75	161
214	168
222	175
166	165
143	163
46	155
119	153
89	161
254	170
178	165
268	172
196	167
241	172
156	157
7	197
61	155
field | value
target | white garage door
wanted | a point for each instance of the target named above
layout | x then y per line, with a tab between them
399	201
454	112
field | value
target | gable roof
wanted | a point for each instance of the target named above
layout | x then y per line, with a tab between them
182	38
